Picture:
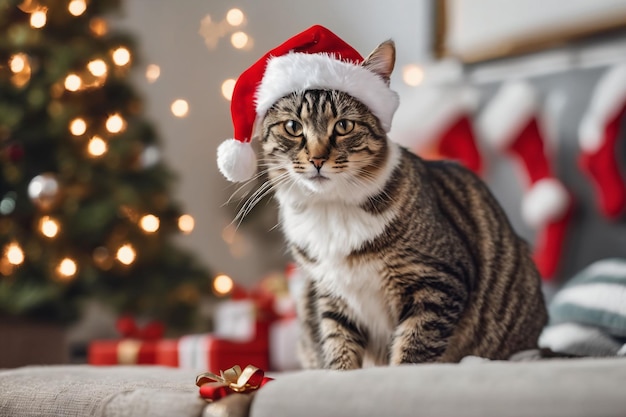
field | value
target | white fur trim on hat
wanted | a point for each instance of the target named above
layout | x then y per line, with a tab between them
236	160
546	201
297	72
509	110
608	98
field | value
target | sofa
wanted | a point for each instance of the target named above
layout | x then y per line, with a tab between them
582	387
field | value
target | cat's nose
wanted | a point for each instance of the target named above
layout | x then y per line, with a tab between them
317	162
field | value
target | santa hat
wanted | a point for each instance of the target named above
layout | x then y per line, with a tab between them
313	59
510	124
599	132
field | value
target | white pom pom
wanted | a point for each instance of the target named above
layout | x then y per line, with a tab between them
546	201
590	134
236	160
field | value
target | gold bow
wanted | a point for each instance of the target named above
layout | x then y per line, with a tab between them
234	378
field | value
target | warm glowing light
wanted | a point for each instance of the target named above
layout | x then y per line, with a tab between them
97	67
412	75
67	268
126	254
18	62
115	123
97	146
227	88
78	126
77	7
121	56
153	72
180	108
149	223
38	19
223	284
49	227
235	17
98	26
186	223
73	82
14	253
239	40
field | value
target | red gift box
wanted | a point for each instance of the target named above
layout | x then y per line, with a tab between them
208	352
137	346
122	352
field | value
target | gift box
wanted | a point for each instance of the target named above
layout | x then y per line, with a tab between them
122	352
137	345
283	341
212	353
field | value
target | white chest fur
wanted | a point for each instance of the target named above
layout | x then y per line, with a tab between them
329	233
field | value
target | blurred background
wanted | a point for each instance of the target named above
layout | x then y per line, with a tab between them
476	79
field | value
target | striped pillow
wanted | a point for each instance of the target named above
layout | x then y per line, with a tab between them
596	296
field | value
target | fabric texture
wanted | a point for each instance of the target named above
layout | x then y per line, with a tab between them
558	387
117	391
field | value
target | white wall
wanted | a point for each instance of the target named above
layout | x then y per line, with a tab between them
167	32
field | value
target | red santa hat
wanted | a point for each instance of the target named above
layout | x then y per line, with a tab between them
313	59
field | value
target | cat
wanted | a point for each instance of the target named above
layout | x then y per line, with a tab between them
406	260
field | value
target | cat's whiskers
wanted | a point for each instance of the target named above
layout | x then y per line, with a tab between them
258	195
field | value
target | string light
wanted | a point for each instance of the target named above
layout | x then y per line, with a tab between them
239	40
77	7
97	67
78	126
412	75
121	56
149	223
227	88
49	227
235	17
14	253
126	254
153	72
186	223
180	108
66	269
98	26
97	146
73	82
38	19
18	63
115	123
223	284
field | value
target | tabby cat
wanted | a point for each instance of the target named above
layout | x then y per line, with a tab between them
407	260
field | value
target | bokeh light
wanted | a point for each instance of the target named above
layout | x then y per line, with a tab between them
66	269
153	72
180	108
38	19
121	56
126	254
149	223
97	146
78	126
49	227
186	223
77	7
14	253
412	75
115	123
235	17
97	67
227	88
73	82
239	40
223	285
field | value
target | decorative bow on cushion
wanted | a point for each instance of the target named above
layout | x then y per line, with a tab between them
213	387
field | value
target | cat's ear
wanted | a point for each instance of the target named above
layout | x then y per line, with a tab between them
382	60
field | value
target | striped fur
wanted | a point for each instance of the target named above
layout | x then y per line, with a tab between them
407	261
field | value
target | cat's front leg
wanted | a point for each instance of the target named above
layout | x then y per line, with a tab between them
426	322
342	341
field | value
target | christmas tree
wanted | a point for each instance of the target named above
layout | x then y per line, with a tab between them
85	204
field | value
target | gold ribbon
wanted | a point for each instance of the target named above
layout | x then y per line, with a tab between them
234	378
128	351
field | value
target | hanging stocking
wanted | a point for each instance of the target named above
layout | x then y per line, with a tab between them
599	132
509	123
437	122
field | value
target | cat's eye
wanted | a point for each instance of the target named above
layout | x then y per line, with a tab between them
344	126
293	127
